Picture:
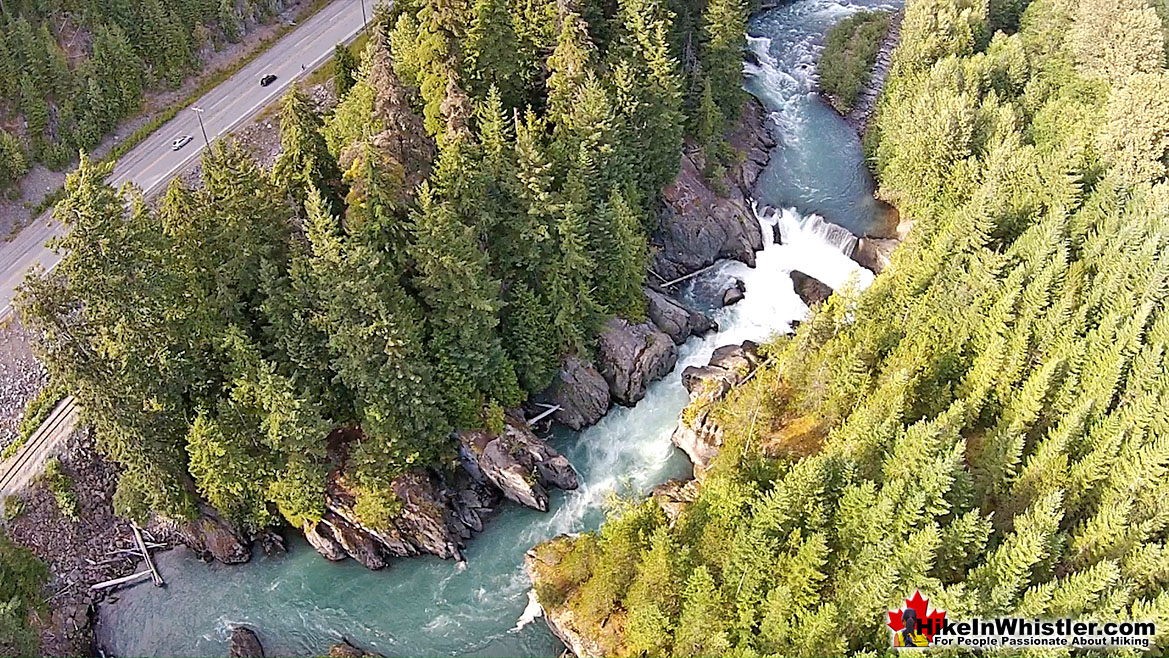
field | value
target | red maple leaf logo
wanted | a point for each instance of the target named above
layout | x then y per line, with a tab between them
931	621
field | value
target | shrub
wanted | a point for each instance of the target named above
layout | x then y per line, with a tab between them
61	486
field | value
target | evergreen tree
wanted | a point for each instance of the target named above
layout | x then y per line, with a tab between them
462	310
344	70
724	25
656	124
618	247
304	160
376	342
493	52
529	338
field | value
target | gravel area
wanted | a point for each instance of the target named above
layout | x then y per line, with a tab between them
21	377
79	552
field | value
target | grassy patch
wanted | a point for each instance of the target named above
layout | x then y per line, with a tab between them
62	487
850	50
38	409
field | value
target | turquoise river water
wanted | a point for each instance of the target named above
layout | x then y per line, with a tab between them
300	603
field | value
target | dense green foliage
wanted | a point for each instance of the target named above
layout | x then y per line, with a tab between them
70	69
987	422
850	51
37	410
414	263
61	486
22	576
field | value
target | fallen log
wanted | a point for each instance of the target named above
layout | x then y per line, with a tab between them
543	414
154	575
691	275
124	580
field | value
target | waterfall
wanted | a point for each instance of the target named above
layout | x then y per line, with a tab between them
812	225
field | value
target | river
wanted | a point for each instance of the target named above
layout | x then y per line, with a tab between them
300	603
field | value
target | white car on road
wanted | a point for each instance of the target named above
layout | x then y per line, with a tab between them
180	142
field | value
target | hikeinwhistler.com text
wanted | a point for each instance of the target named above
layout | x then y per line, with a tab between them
1019	632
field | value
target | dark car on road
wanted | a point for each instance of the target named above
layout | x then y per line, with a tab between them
267	80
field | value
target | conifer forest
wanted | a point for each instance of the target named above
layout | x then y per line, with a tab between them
986	422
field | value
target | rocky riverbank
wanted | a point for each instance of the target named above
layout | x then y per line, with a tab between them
705	221
82	545
702	221
866	106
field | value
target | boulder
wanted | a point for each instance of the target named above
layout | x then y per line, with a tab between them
320	537
810	289
632	356
734	294
672	496
344	649
673	318
357	544
470	504
696	433
875	254
211	535
519	463
244	644
580	391
272	542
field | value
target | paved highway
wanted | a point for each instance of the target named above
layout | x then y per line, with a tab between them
152	163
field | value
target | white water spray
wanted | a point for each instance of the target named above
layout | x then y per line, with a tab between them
532	612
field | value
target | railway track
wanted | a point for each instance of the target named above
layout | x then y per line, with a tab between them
22	467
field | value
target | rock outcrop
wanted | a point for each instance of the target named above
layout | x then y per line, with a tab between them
674	319
560	619
875	254
810	289
581	393
673	496
320	537
272	542
344	649
734	294
632	356
697	434
244	644
518	463
213	537
357	544
705	221
438	511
